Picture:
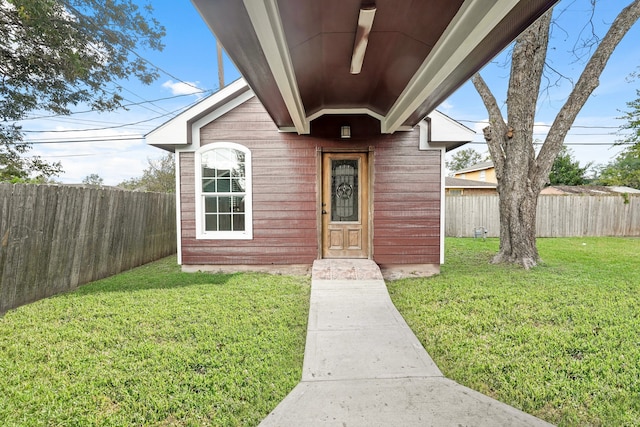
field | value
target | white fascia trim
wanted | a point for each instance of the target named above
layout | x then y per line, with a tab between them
178	208
205	120
176	132
456	43
443	206
336	111
265	18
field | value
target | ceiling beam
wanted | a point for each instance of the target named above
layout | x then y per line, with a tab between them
265	19
473	22
365	22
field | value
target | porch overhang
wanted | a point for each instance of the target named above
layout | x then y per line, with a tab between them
297	55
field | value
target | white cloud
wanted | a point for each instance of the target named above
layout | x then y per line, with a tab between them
182	88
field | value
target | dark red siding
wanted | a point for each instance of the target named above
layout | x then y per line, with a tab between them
406	191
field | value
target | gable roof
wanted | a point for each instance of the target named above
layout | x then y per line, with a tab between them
178	131
296	54
477	167
450	182
436	131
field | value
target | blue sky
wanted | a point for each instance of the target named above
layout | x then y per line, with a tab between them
119	153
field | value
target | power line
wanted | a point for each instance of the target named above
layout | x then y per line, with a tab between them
73	141
122	106
106	127
545	125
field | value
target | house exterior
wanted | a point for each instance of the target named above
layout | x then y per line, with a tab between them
253	197
329	147
483	172
468	187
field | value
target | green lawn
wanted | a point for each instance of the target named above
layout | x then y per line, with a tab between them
155	346
561	341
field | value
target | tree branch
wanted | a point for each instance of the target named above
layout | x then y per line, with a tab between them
496	124
587	83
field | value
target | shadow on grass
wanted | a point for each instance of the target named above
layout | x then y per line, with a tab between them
162	274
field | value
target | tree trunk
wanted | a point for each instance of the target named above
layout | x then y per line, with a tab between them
520	174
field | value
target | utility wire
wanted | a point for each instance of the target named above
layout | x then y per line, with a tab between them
133	104
106	127
545	125
73	141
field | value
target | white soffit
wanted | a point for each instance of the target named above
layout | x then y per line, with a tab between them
456	43
441	131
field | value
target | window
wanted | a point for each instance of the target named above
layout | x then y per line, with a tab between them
223	192
483	175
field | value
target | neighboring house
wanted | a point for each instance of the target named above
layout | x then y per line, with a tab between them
467	187
331	148
484	172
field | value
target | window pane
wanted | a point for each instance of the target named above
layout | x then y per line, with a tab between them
224	185
224	204
237	185
224	173
210	204
238	222
211	222
225	223
238	204
208	185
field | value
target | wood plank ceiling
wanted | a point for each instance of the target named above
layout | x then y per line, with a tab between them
296	54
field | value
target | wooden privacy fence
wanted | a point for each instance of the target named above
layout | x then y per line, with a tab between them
557	216
56	238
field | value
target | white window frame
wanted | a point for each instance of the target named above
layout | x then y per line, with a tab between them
201	233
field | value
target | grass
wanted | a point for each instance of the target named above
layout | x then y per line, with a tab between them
155	346
561	341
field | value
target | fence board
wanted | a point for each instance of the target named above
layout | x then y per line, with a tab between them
557	216
56	238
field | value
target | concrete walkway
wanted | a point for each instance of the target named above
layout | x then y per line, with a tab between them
363	366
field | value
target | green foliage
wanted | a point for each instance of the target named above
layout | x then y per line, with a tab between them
57	54
463	159
623	170
633	120
566	170
155	346
159	176
14	167
559	341
93	179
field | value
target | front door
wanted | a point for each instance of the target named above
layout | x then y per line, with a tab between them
345	205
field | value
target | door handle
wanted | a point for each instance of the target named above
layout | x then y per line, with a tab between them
324	212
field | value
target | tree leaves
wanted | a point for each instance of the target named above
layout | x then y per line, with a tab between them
56	54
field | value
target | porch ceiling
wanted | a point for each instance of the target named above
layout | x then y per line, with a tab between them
296	54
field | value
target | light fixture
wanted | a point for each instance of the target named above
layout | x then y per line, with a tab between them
365	22
345	132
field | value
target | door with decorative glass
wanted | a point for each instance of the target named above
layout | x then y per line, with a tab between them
345	205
